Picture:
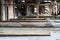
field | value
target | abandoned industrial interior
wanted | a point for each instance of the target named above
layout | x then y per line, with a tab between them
30	13
29	17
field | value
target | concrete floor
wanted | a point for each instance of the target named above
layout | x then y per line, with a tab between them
26	24
27	31
54	36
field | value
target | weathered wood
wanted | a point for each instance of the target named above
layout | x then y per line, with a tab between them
23	32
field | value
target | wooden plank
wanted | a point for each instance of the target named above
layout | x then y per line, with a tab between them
23	32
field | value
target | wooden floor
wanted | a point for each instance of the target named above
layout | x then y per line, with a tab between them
23	32
27	31
25	24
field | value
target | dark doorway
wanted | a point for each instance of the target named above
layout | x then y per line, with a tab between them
20	8
23	10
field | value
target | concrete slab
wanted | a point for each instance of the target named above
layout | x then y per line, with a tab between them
24	31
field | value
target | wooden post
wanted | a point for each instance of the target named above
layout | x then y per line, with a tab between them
10	9
3	10
38	10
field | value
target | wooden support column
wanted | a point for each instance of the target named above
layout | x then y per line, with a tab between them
28	11
38	9
3	10
10	10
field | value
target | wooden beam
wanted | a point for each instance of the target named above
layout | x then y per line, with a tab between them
23	32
